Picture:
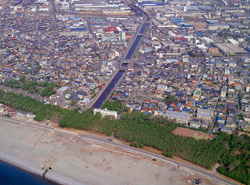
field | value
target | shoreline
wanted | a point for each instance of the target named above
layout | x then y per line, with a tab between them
32	169
27	172
76	161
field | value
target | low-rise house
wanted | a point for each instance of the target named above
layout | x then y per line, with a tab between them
247	109
221	119
19	116
2	109
205	124
30	115
11	114
85	101
247	120
226	130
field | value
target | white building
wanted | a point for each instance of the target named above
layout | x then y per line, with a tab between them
205	114
223	92
195	123
227	130
248	88
205	111
106	112
180	117
62	91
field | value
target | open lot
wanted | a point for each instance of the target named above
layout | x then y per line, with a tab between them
192	133
199	26
75	161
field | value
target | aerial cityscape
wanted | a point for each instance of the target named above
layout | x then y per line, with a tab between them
125	91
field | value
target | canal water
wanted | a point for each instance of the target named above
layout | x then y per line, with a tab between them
112	84
144	26
109	88
133	47
136	42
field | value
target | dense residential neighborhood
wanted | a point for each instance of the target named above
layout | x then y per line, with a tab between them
95	65
199	58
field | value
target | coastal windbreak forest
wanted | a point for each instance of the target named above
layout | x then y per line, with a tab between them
232	152
42	88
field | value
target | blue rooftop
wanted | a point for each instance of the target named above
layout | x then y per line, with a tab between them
219	118
151	3
78	29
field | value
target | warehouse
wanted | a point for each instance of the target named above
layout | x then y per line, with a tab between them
229	49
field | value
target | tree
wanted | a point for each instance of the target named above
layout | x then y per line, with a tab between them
231	151
23	79
170	99
113	105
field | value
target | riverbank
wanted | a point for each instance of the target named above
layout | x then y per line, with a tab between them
75	161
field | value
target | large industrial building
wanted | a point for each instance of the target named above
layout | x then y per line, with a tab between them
229	49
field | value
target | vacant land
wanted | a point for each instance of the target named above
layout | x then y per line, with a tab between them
199	26
192	133
75	161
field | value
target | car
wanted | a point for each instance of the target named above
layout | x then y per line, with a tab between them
197	181
154	159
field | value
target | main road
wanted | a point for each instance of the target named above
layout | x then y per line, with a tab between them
53	9
108	142
93	35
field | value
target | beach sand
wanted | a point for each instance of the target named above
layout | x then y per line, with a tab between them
75	161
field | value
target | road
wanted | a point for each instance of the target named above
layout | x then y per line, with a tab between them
93	35
53	9
108	142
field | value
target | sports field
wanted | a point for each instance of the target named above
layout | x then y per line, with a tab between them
192	133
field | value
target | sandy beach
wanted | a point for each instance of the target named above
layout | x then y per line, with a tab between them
75	161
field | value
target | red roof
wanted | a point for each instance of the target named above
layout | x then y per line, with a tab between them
110	29
180	38
173	104
12	114
11	109
151	110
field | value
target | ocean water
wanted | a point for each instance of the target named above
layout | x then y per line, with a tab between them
12	175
